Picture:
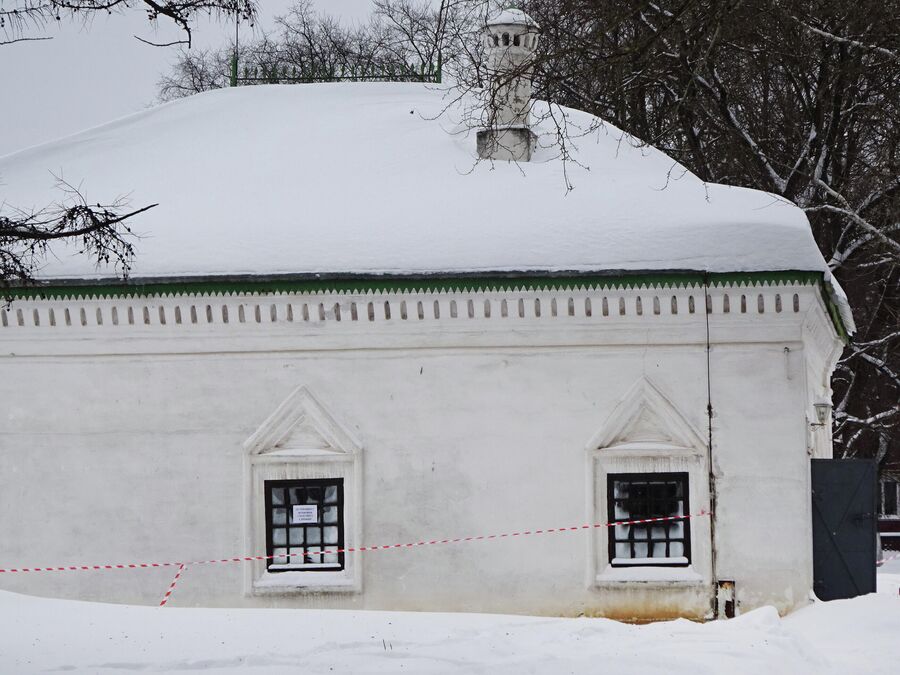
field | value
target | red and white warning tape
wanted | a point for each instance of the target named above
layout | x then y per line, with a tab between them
357	549
351	549
172	585
887	559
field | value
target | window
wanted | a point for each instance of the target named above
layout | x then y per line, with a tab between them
304	524
303	488
638	496
890	490
648	461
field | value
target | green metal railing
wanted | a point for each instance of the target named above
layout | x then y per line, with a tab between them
399	72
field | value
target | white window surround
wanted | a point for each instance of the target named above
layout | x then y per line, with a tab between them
888	506
645	433
301	439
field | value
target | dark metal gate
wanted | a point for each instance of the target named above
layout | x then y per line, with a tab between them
843	512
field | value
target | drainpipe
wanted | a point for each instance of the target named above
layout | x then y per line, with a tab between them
707	308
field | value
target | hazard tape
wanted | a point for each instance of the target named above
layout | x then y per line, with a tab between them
888	559
172	585
352	549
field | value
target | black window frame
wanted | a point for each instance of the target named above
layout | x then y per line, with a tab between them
683	478
290	566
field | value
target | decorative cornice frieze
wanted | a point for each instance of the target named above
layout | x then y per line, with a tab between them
563	316
315	299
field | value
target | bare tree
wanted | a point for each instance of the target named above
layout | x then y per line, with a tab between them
19	19
306	45
403	39
195	71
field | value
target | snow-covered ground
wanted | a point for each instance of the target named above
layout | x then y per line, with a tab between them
41	635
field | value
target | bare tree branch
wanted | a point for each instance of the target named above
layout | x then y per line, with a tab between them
847	41
35	14
101	231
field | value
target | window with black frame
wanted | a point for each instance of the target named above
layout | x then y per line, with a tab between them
638	496
304	524
890	498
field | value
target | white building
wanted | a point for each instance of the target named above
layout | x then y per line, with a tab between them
335	306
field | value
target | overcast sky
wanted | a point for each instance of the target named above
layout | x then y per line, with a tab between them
88	75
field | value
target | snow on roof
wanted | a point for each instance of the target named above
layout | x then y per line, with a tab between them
511	17
368	179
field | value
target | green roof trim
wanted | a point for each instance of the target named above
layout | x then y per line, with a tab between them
255	284
397	284
835	314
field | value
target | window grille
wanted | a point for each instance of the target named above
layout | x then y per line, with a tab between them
637	496
304	524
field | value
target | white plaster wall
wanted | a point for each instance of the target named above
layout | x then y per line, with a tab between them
121	457
762	476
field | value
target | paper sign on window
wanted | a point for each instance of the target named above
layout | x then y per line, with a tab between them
305	513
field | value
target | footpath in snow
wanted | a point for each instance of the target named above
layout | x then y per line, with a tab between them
42	635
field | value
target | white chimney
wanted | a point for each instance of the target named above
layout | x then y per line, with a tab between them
511	39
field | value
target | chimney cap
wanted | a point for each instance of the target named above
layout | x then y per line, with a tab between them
512	17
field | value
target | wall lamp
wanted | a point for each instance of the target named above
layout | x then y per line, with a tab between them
823	412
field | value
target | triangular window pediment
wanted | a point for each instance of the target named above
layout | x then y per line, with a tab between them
647	426
646	418
304	434
301	425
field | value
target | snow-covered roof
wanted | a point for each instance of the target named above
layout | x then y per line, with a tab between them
511	17
369	179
